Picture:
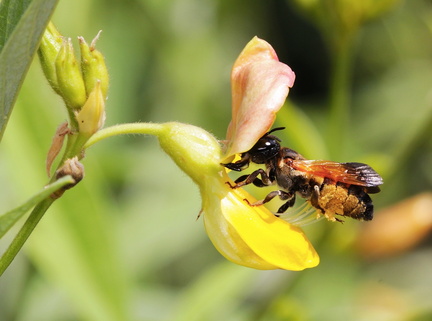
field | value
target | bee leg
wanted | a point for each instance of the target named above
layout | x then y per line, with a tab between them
339	220
240	165
257	182
287	205
253	179
314	202
282	195
314	197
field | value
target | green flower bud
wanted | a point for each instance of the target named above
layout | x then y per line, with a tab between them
93	66
69	77
193	149
48	50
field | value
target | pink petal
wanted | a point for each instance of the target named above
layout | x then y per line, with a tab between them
260	85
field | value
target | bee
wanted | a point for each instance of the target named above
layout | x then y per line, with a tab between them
332	188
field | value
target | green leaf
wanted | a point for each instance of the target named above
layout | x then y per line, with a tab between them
22	23
10	13
8	219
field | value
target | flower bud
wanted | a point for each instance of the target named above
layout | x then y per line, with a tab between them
69	77
93	66
91	117
49	48
192	148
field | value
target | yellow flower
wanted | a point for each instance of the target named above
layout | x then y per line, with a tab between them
246	235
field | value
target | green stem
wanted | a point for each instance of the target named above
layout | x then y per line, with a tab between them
340	89
75	145
24	233
71	142
122	129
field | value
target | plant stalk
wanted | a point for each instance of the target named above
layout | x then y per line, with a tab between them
24	233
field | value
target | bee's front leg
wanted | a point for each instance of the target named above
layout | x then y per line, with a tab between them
253	179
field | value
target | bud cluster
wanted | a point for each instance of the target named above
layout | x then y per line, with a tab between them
83	84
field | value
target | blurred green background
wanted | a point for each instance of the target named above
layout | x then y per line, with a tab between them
125	244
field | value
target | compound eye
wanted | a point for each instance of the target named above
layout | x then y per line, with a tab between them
265	149
263	144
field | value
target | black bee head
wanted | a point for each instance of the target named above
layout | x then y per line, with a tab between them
266	148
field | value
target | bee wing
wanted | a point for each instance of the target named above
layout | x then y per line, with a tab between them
350	173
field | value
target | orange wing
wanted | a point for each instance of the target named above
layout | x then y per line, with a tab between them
349	173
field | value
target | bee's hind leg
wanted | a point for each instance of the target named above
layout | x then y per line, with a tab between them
287	205
315	196
282	195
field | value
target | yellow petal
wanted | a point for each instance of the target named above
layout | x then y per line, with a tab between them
253	236
224	235
92	115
